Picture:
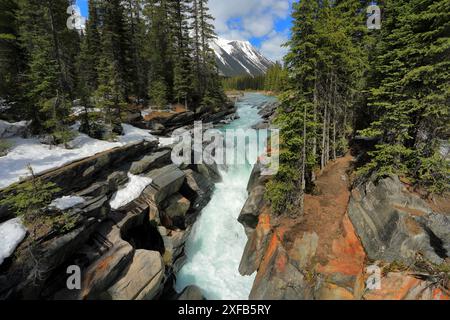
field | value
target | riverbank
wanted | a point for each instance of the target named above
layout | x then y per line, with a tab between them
127	210
377	240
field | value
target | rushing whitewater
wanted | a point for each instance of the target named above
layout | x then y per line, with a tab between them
217	241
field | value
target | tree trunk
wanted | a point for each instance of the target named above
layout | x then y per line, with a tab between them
314	142
334	117
324	132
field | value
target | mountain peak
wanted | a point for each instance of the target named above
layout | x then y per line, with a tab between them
236	57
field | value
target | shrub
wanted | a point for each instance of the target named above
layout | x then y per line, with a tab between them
4	147
30	197
434	174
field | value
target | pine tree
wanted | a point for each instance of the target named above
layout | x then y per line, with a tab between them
137	30
160	52
286	191
12	57
88	62
116	44
183	72
89	57
210	85
322	65
410	100
51	47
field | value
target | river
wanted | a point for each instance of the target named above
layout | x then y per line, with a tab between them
217	240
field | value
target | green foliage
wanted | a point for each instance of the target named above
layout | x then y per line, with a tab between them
433	173
131	53
324	68
63	136
244	83
387	160
4	147
30	197
158	93
409	99
51	48
63	223
274	80
12	60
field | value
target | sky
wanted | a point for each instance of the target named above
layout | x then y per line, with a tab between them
265	23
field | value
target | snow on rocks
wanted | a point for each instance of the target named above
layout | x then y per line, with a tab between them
146	112
43	157
8	129
130	192
79	110
4	105
12	232
67	202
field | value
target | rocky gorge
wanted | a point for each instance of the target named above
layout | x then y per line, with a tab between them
168	243
124	252
348	235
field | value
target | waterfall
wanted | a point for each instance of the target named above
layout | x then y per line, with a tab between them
217	241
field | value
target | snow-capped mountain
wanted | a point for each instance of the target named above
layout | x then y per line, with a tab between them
236	58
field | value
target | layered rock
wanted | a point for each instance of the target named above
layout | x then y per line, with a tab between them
396	225
152	161
163	123
142	279
325	253
130	253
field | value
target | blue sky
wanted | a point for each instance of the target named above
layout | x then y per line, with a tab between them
265	23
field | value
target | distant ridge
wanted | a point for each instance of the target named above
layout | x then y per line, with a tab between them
235	58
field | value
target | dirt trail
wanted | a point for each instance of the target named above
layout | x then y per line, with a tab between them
325	214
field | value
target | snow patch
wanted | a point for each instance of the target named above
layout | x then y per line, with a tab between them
8	129
66	202
242	52
79	110
146	112
164	142
43	157
12	232
4	105
130	192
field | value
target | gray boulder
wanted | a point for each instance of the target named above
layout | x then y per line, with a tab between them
166	181
142	279
210	172
197	189
8	130
252	208
116	179
191	293
395	225
174	241
177	206
155	160
95	190
289	283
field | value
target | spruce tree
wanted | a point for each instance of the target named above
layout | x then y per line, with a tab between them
12	57
160	52
51	48
183	73
323	65
88	62
410	101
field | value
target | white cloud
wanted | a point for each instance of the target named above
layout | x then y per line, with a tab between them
246	19
273	48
